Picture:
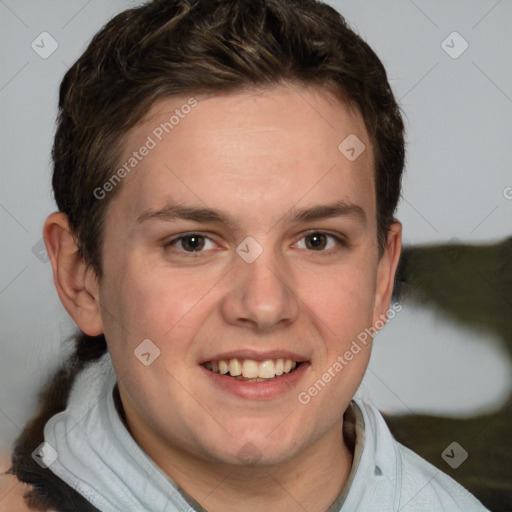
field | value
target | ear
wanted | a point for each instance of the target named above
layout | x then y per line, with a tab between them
386	271
77	285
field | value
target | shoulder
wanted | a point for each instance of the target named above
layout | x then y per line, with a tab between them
401	478
438	489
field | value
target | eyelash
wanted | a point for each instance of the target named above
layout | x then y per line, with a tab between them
339	240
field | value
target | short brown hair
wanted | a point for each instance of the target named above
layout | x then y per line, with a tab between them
171	47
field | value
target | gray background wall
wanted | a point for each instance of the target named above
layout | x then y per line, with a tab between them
458	111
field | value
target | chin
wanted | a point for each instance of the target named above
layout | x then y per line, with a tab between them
253	451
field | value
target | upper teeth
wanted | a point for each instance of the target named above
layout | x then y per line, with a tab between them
252	369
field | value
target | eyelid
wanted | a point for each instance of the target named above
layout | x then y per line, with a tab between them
340	240
338	237
170	242
334	234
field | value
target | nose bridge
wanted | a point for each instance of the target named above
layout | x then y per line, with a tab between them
262	288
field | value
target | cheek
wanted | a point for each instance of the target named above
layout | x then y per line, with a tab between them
151	303
134	309
148	306
342	299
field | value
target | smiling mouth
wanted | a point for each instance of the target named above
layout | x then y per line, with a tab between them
249	370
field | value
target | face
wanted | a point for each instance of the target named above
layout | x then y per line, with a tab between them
244	241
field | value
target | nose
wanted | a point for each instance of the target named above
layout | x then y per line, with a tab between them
261	294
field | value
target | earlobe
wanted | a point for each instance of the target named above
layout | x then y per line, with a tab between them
386	271
78	293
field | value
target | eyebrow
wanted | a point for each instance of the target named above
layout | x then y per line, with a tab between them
337	209
173	212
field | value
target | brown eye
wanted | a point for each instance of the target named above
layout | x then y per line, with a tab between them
192	243
316	241
321	242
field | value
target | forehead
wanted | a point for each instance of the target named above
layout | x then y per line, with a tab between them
278	146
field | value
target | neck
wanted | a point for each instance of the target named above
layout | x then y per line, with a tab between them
310	481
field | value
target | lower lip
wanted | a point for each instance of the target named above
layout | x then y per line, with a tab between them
258	390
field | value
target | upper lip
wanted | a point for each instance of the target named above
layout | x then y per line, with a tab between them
257	355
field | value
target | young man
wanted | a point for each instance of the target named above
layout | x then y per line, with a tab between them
226	174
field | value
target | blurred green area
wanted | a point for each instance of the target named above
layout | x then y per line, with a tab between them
471	285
